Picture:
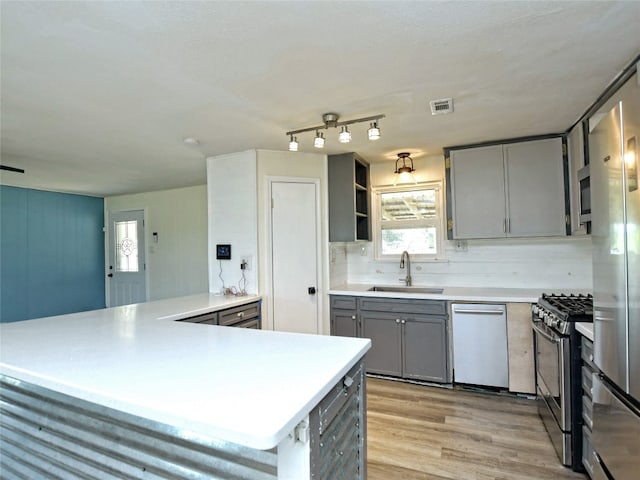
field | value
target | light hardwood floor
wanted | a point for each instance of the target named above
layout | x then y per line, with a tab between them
421	432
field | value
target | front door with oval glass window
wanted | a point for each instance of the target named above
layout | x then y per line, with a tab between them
126	272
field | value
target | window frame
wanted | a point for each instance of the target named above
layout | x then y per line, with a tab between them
438	221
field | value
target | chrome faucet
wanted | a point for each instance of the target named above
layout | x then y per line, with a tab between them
407	279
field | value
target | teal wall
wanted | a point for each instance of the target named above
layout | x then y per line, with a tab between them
51	253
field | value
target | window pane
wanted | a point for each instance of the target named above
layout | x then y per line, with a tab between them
414	240
414	205
126	246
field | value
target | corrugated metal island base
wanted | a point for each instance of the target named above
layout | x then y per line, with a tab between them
46	434
123	393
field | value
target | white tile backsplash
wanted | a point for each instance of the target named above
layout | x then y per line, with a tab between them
548	263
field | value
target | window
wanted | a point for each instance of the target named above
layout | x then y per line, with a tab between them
409	218
127	246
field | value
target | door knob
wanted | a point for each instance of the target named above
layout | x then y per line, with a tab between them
312	290
110	275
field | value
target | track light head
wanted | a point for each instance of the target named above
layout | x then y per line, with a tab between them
345	135
374	131
318	142
293	144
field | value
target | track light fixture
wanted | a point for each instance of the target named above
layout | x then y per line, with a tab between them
330	120
404	168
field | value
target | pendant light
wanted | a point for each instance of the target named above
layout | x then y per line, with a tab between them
404	168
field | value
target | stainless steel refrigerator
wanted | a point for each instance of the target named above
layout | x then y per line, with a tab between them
615	207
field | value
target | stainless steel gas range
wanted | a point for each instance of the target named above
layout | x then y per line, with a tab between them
558	370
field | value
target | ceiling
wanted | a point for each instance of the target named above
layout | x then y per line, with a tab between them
97	97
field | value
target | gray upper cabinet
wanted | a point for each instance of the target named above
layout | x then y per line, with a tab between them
478	192
508	190
349	198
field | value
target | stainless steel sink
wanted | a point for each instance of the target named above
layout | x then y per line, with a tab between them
406	289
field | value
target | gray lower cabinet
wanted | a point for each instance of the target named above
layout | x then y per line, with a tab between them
424	341
344	316
408	337
408	346
210	318
245	316
385	356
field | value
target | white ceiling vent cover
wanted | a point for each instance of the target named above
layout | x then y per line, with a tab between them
439	107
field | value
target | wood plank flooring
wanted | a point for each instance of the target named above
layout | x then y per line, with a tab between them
430	433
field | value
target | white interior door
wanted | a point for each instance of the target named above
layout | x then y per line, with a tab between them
126	275
294	262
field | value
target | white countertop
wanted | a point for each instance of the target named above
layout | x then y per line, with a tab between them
585	329
471	294
245	386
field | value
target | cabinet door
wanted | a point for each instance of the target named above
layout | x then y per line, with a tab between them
344	323
535	188
386	340
478	192
425	349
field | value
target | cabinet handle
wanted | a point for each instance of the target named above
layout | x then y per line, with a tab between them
397	320
353	317
240	314
403	322
504	226
508	225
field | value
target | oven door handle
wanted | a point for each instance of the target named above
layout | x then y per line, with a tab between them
546	335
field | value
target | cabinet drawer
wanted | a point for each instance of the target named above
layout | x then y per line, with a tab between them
587	380
411	306
587	351
232	316
343	303
207	318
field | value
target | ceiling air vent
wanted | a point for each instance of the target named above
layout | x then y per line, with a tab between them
444	105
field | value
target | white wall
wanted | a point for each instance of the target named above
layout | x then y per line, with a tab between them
176	265
239	214
560	263
233	202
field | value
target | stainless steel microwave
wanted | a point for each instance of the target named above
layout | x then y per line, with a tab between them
584	186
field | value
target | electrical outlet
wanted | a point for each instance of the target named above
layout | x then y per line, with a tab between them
246	261
461	246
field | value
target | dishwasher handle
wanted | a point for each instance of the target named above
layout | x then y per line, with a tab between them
478	312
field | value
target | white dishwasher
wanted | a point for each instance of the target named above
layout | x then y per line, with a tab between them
480	344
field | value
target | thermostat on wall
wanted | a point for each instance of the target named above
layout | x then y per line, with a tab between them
223	251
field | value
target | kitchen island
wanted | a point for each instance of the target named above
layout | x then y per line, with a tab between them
126	392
